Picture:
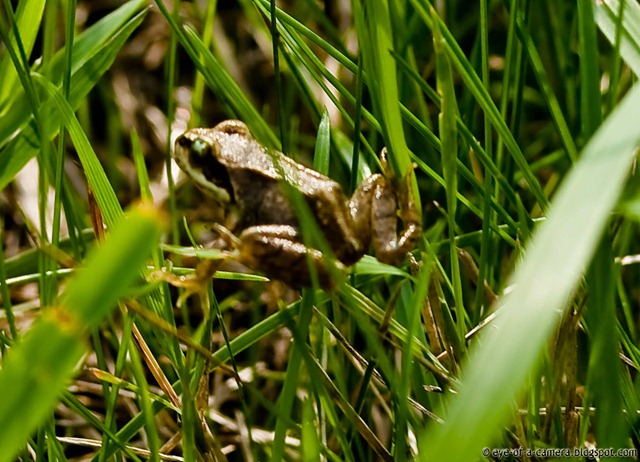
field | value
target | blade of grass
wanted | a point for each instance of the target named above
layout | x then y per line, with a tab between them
170	73
219	80
590	101
58	179
222	84
449	156
81	409
23	147
36	372
19	59
359	305
482	96
616	66
552	101
607	17
326	388
376	39
543	284
300	56
198	86
98	181
355	301
405	385
280	109
290	385
487	253
89	45
111	393
28	18
321	155
26	262
469	138
310	439
604	384
370	266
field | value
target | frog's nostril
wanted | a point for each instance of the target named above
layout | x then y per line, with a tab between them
183	141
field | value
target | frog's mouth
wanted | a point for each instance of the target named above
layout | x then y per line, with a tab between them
213	171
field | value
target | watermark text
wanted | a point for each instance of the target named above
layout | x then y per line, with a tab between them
543	453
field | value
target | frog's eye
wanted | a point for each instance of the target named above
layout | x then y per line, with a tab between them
200	147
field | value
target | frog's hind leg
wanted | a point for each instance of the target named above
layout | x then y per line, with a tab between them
389	204
276	251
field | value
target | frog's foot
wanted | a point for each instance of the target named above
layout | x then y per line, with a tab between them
384	163
276	251
375	208
390	203
226	239
196	283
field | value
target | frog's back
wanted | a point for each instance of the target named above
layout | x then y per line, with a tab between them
256	175
254	162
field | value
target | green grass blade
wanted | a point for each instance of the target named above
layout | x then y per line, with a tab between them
376	40
28	18
552	101
280	107
482	96
310	440
19	149
4	289
590	101
219	80
322	151
97	178
544	283
221	83
36	372
96	41
606	14
288	393
468	137
449	156
605	384
371	266
198	86
141	168
414	329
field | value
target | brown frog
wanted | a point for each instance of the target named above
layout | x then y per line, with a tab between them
233	168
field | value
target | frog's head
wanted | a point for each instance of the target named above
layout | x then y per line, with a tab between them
199	153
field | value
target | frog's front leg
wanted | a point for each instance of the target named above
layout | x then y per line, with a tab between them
376	207
277	251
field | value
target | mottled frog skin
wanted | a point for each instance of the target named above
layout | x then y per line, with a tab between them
233	168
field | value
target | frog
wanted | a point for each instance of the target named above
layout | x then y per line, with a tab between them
234	169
